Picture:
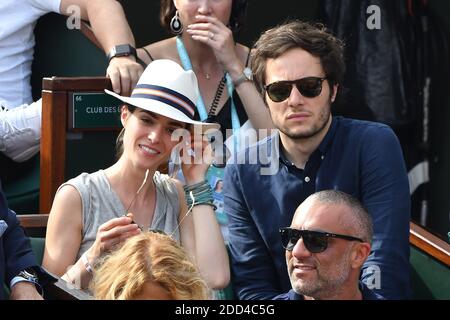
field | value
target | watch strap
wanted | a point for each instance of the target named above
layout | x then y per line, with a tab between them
122	50
27	276
243	77
125	50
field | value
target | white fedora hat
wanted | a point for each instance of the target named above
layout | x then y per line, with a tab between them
167	89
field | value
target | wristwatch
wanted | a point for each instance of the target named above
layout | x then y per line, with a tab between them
246	75
29	275
125	50
122	50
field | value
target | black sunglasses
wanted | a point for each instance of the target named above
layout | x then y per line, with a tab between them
315	241
309	87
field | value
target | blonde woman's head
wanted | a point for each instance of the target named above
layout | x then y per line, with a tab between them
148	266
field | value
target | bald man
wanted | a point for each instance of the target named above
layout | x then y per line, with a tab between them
326	245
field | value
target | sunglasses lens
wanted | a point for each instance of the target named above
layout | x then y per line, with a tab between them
289	238
315	242
309	87
279	91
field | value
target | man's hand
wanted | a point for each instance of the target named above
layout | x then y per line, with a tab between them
124	73
25	290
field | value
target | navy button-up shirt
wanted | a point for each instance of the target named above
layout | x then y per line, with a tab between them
262	190
15	250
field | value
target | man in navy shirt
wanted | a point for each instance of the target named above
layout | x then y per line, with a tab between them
18	267
326	245
298	68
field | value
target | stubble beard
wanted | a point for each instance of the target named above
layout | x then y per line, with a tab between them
324	285
315	129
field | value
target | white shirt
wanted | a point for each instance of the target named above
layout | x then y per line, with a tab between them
18	19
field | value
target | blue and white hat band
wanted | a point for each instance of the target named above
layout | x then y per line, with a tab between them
165	95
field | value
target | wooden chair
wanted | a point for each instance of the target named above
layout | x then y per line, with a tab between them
430	264
65	112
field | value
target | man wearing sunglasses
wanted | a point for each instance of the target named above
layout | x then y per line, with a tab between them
326	245
298	68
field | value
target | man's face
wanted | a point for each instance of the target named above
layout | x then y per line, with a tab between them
319	274
299	117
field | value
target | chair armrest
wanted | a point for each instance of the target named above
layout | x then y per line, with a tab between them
429	243
33	220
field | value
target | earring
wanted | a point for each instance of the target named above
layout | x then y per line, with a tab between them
175	24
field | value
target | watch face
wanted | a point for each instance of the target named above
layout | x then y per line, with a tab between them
123	50
248	73
29	274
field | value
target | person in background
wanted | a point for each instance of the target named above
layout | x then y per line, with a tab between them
149	266
88	215
204	43
326	245
20	117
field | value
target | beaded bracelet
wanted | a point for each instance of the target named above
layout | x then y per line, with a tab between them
200	192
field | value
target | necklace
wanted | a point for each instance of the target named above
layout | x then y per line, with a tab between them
140	226
235	123
212	110
207	75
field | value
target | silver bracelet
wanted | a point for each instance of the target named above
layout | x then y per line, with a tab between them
86	263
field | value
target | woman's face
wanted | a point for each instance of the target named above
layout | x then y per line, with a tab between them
188	9
147	140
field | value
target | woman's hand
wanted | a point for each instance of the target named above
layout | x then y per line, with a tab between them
212	32
197	160
112	233
124	73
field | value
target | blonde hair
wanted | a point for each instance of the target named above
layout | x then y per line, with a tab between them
148	256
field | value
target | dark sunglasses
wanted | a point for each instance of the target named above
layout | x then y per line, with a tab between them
315	241
309	87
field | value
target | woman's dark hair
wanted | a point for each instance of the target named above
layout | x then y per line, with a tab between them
237	18
119	139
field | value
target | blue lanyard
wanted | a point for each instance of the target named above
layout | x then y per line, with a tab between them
235	123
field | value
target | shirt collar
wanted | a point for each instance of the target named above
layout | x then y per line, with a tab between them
326	141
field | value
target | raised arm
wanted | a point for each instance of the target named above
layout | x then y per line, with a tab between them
254	105
111	28
199	230
224	48
385	194
202	238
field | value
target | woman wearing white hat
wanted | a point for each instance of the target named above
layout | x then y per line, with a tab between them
88	216
204	41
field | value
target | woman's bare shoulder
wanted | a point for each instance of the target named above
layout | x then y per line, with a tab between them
164	49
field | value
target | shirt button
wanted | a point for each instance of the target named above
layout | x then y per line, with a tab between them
307	179
322	157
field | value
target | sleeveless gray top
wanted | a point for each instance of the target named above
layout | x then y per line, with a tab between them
101	204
